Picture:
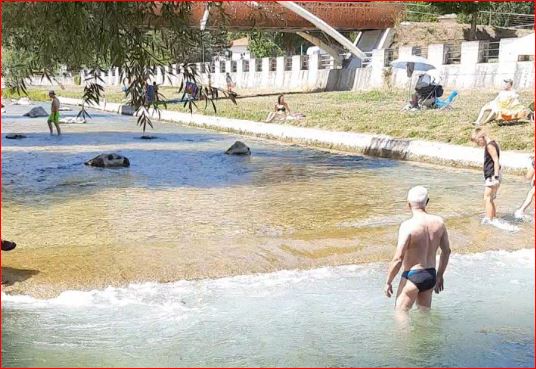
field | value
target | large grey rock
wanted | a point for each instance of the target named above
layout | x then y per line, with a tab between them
238	148
8	245
36	112
109	161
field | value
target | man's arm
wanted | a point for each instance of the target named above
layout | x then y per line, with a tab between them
493	153
444	245
394	267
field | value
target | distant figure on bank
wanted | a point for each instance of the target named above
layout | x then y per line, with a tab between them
520	213
418	241
492	173
155	89
281	109
149	94
54	117
229	81
505	106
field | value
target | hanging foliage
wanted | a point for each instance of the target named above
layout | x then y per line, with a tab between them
137	38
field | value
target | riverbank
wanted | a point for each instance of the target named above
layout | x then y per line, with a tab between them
374	112
185	210
362	143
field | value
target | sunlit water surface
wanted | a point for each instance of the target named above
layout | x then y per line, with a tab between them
184	210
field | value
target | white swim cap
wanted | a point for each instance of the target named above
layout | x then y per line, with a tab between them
418	195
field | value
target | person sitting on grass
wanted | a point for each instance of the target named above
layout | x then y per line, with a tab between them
281	110
505	106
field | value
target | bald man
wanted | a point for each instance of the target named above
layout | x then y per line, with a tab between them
418	241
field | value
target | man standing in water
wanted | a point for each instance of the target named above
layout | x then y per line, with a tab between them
54	116
418	241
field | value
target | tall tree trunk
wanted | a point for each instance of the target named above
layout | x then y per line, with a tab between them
472	32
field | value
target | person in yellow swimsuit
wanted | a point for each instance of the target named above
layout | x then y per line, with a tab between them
54	116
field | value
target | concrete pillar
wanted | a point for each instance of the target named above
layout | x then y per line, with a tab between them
228	68
280	71
314	62
312	73
507	52
470	53
405	51
280	64
508	56
265	80
436	54
159	76
296	63
377	65
117	79
470	56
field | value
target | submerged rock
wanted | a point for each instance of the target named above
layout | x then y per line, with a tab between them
8	245
73	120
15	136
238	148
36	112
109	161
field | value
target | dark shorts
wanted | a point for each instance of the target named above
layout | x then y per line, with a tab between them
424	279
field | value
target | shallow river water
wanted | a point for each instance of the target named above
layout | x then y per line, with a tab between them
184	211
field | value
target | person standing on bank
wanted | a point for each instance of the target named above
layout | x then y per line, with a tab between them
54	116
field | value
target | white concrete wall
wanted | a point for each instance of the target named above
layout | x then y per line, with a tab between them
468	74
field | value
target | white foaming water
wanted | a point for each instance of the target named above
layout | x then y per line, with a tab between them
333	316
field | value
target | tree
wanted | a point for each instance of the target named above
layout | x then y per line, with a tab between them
469	9
136	37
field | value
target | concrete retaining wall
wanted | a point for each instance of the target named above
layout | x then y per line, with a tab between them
471	65
368	144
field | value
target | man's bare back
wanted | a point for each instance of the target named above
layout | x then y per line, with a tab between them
424	232
418	241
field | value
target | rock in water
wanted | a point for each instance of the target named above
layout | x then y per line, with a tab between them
238	148
15	136
109	161
8	245
38	111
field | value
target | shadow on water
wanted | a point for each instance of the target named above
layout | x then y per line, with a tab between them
63	114
173	160
11	276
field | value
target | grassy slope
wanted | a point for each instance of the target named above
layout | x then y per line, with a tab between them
372	112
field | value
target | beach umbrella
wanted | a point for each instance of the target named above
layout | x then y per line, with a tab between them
413	63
